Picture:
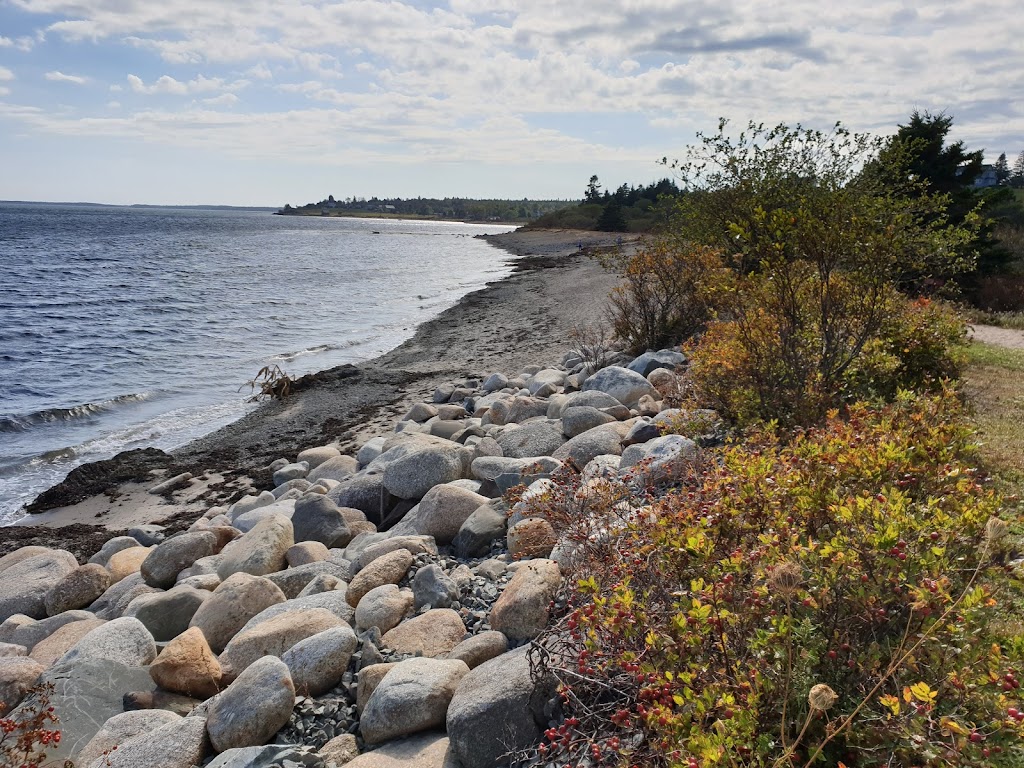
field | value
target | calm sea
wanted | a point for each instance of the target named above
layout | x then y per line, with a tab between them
132	327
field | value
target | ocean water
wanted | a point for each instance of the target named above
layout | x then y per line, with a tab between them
132	327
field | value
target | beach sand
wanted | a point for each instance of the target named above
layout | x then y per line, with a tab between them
525	318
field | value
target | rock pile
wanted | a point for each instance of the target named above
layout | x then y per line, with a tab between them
361	601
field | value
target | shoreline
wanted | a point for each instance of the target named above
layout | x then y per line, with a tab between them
519	319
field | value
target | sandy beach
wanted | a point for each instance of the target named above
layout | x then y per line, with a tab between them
525	318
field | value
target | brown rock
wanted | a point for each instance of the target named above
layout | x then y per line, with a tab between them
386	569
47	651
433	633
306	552
78	589
236	600
339	750
17	675
126	562
532	537
522	610
187	665
369	679
275	636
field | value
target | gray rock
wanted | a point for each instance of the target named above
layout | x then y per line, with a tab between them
624	385
641	432
519	409
283	507
298	484
86	694
269	756
317	518
594	442
77	589
577	419
112	603
167	614
238	599
124	641
249	503
433	633
428	750
260	551
178	744
536	438
495	382
340	468
666	456
480	529
17	676
25	582
119	729
370	450
206	581
507	473
290	472
591	398
383	607
322	582
548	377
253	708
497	709
421	467
663	358
162	565
432	587
477	649
47	652
275	636
365	492
333	602
442	512
18	555
412	697
420	412
314	457
148	535
10	650
293	580
522	610
112	547
317	663
604	466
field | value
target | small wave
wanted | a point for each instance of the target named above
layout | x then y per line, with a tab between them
24	423
287	357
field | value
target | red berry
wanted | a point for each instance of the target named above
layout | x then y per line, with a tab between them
976	737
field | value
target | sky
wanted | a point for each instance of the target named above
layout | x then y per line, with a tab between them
260	102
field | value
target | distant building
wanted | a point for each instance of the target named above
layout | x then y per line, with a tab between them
987	177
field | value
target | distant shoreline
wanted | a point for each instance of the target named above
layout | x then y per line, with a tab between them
341	214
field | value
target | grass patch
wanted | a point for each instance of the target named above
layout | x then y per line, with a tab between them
1000	319
995	387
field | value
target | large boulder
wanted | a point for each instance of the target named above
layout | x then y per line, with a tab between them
113	603
188	666
650	361
25	582
78	589
594	442
119	728
48	651
578	419
498	708
383	607
125	641
624	385
412	697
536	438
365	492
238	598
415	543
17	676
337	468
260	551
387	569
253	708
477	649
180	743
666	457
507	473
275	636
523	609
269	756
332	601
167	614
18	555
442	512
22	630
433	633
317	518
162	566
317	663
480	529
127	562
532	537
433	588
422	465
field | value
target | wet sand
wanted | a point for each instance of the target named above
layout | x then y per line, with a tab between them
525	318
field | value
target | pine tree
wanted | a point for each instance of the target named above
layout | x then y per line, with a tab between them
1002	169
1017	177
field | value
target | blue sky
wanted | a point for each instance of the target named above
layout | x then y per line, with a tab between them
253	102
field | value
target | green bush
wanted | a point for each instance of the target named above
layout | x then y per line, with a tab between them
827	601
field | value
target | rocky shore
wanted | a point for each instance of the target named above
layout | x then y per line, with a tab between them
366	600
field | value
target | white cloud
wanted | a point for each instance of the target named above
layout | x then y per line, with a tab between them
166	84
224	100
5	74
4	91
60	77
114	104
6	42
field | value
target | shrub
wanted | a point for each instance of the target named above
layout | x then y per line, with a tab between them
667	293
825	601
26	738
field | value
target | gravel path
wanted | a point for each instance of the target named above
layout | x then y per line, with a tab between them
1000	337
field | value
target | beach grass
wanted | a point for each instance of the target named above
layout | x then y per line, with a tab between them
994	384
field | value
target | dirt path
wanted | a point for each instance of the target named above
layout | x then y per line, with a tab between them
1000	337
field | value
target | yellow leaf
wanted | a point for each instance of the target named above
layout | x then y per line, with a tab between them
891	703
953	726
922	692
906	694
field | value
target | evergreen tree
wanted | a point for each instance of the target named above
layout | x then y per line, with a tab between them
612	218
1017	177
1002	169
